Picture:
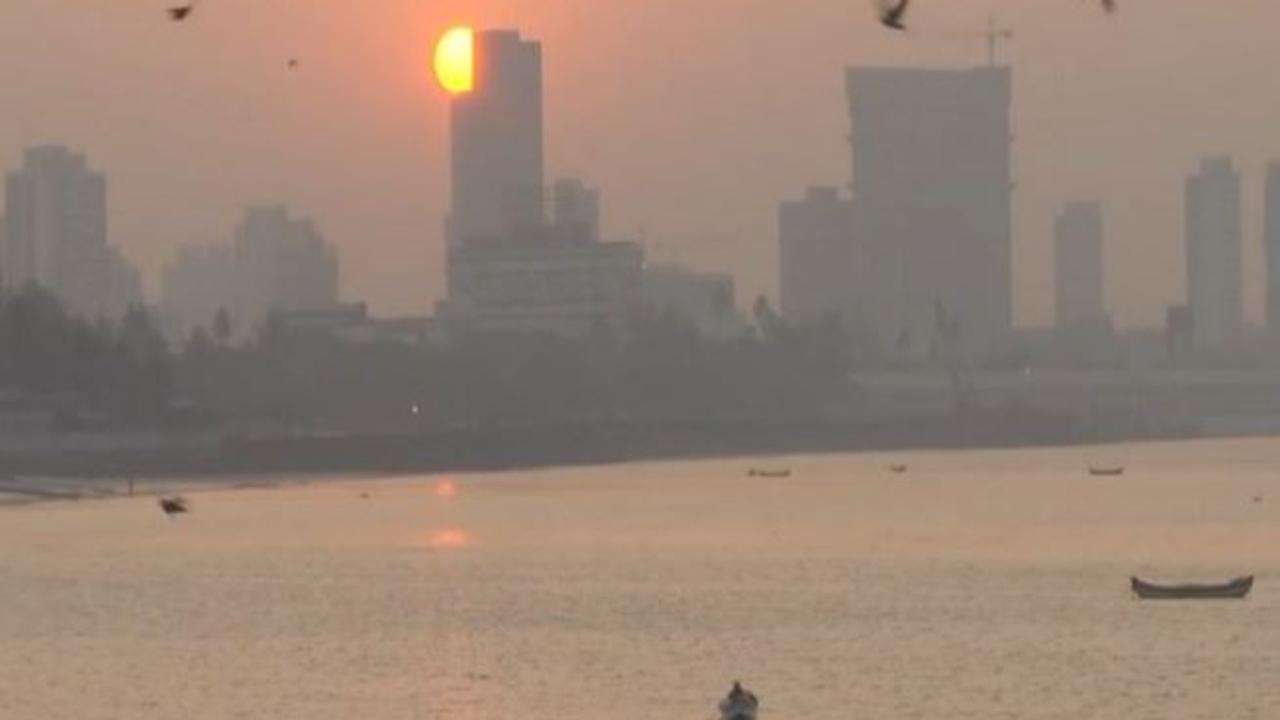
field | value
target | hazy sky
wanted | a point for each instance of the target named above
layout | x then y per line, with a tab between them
695	117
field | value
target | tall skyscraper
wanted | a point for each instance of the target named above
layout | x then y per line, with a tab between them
1271	242
933	182
1213	244
56	234
509	269
1077	264
497	141
817	256
55	214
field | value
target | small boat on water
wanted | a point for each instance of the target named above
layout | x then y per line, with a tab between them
777	474
897	469
1234	589
739	704
1106	471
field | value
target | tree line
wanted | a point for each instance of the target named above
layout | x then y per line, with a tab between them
659	366
121	369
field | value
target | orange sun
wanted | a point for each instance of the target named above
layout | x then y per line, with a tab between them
455	60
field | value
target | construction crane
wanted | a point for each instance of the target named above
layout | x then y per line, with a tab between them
995	34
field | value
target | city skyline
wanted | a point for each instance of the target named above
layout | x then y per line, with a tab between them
387	128
638	357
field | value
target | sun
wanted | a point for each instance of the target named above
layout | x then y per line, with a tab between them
455	60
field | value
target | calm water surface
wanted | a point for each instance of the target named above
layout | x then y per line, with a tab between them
977	585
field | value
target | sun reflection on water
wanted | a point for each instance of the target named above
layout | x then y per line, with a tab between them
449	539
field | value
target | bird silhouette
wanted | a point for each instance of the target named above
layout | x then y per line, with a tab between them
182	12
173	505
891	13
293	63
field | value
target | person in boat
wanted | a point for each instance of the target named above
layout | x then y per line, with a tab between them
739	704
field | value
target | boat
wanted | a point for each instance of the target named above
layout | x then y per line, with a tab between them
777	474
897	469
1234	589
739	704
1106	471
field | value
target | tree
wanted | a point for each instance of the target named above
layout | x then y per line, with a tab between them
222	326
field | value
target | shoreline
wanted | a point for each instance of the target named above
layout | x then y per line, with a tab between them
19	491
80	473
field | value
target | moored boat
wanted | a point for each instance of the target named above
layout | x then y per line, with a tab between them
1106	471
1233	589
776	474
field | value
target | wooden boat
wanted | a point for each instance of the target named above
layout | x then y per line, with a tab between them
1106	472
1234	589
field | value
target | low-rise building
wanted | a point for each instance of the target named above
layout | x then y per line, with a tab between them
543	280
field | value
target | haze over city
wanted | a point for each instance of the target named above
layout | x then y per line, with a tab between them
630	358
694	124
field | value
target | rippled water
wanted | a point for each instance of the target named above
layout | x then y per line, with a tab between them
977	585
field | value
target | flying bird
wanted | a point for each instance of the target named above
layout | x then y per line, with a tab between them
175	505
181	12
891	13
293	63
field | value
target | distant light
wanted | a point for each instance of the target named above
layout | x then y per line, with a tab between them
455	60
446	489
414	409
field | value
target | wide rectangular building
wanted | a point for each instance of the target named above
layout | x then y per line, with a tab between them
543	280
932	178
